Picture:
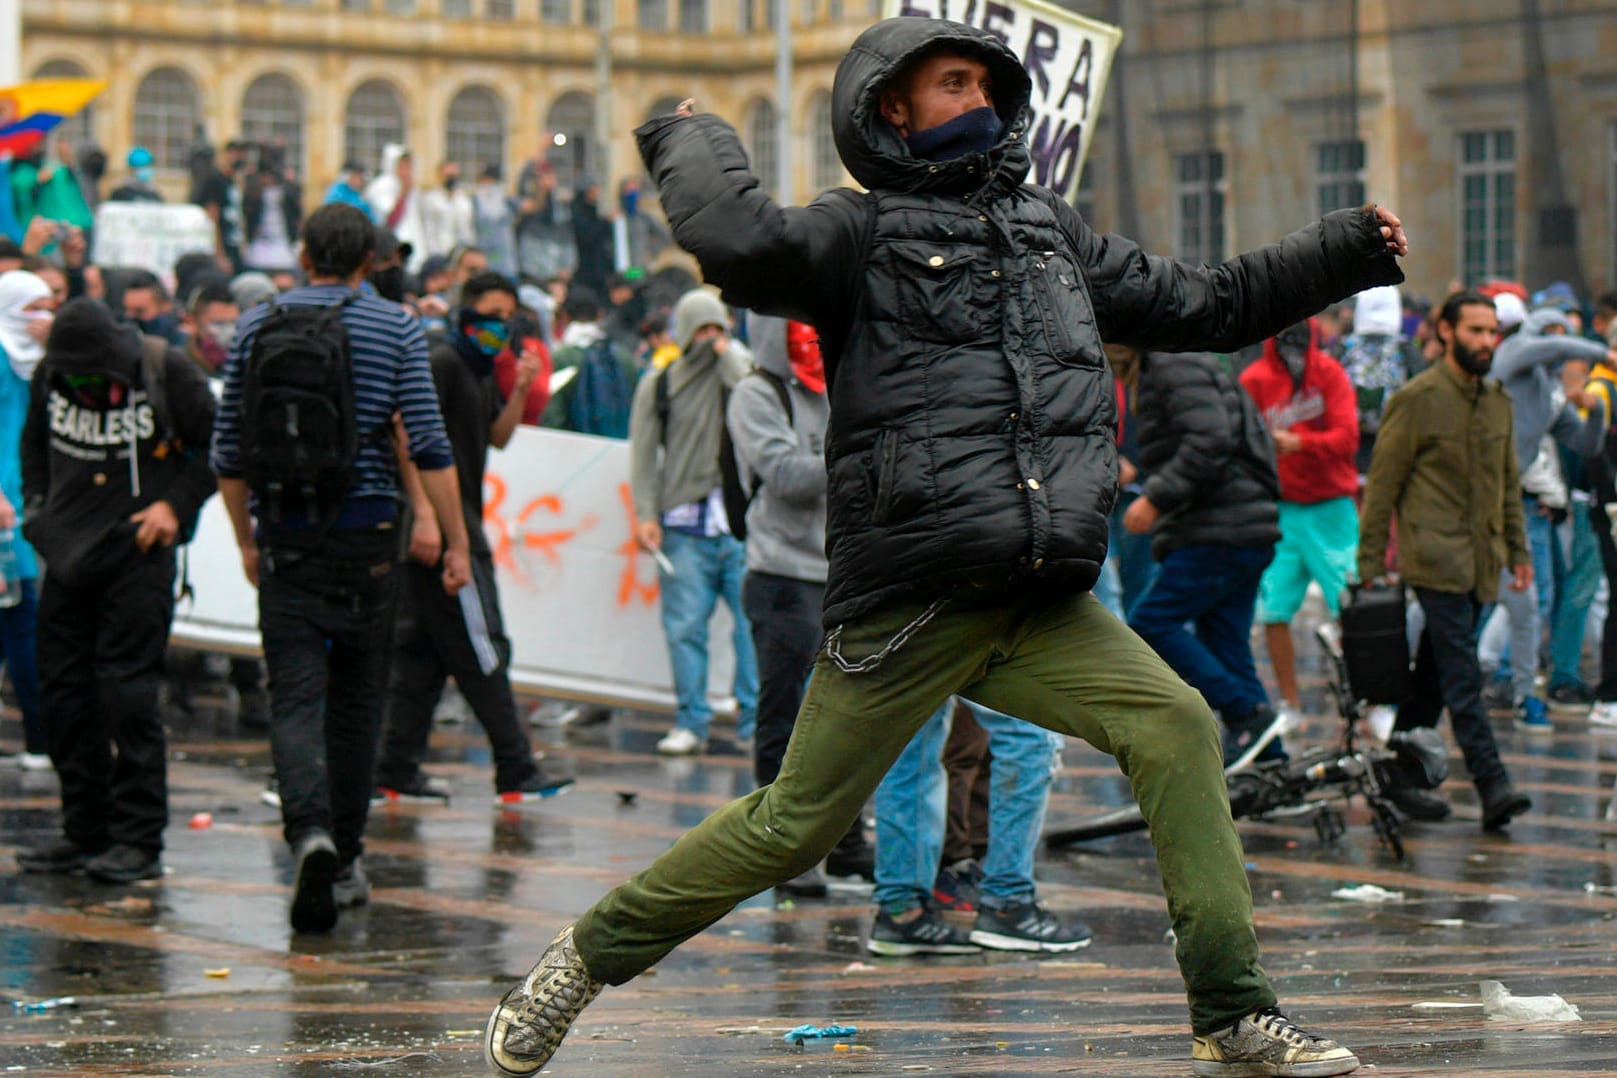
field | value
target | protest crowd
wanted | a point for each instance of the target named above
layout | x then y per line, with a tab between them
407	322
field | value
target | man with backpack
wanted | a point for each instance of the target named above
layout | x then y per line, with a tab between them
114	474
676	434
592	389
307	467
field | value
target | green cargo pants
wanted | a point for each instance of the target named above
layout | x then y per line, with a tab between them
1062	662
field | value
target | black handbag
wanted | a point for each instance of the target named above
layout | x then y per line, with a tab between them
1375	642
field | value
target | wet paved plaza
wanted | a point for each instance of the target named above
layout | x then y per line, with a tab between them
199	974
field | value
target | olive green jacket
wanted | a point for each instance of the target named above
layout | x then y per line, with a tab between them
1445	463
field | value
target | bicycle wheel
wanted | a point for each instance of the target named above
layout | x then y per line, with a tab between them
1121	821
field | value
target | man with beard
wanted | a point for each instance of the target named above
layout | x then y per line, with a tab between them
1445	464
971	461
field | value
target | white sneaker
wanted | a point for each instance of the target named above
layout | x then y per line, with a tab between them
1380	719
33	761
681	742
1604	713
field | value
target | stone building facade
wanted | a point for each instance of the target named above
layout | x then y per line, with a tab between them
1490	125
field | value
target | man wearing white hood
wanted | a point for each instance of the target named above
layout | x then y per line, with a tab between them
393	195
26	309
1378	359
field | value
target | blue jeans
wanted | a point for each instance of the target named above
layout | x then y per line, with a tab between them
1577	590
1136	568
1215	588
18	628
1528	611
706	569
911	803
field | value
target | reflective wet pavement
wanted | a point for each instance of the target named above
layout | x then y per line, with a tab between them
198	973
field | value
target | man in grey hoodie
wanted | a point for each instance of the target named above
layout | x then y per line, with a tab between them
1523	364
675	428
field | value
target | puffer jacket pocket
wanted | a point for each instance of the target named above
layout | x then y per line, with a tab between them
900	492
945	291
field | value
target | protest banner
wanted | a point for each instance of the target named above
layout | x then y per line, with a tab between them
1068	57
578	597
151	235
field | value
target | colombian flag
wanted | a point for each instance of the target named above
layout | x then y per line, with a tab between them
29	111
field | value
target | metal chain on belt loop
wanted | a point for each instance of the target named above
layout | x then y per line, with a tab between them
833	642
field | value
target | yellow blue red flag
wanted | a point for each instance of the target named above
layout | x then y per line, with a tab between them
30	110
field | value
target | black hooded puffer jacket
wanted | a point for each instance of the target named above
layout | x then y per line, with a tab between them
972	421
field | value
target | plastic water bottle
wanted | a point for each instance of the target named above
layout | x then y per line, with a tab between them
10	585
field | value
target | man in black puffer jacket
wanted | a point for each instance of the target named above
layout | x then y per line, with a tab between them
972	466
1211	504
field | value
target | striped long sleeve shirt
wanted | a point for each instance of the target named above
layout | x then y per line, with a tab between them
391	374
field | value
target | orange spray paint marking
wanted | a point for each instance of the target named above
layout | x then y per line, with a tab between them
493	523
548	543
629	586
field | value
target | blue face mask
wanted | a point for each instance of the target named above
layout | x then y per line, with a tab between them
146	174
631	201
971	132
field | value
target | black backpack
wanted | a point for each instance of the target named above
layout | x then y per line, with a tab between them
737	498
299	438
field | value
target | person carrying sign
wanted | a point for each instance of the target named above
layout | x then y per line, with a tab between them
972	466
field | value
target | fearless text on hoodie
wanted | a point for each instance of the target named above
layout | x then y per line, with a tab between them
1321	411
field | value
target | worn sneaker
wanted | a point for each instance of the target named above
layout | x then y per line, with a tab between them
956	886
1603	713
810	884
314	906
62	856
527	1027
1534	717
1570	696
545	781
125	864
1268	1043
423	789
926	933
351	887
852	857
1028	927
682	742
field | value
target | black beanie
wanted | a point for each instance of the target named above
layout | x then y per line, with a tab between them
85	338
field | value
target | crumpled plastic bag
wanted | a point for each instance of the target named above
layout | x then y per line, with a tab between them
1367	892
812	1032
1500	1006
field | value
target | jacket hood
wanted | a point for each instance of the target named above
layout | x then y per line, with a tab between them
871	148
1542	319
766	334
1378	311
85	339
392	154
1316	354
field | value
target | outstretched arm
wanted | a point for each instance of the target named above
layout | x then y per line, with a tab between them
1161	304
789	261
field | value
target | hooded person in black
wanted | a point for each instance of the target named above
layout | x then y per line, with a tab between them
115	471
972	464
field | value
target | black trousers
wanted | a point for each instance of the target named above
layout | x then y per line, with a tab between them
436	636
1606	691
1447	674
100	647
325	621
786	634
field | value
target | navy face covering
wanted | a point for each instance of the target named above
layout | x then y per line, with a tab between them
971	132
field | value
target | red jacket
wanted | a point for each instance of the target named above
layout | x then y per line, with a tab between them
1322	411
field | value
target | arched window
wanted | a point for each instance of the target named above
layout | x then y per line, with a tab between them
825	165
571	124
167	116
272	114
78	128
375	117
762	146
476	135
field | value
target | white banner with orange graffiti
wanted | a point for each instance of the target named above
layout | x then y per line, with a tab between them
579	599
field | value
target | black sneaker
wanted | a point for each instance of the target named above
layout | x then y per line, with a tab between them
1240	731
1500	804
1428	806
956	886
810	884
125	864
536	787
852	856
927	933
1028	927
1571	696
62	856
423	789
1499	696
314	906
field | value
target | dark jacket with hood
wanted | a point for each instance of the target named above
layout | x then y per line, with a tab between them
962	313
1209	458
95	452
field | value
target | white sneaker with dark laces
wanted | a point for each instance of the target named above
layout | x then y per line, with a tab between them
528	1025
1267	1044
